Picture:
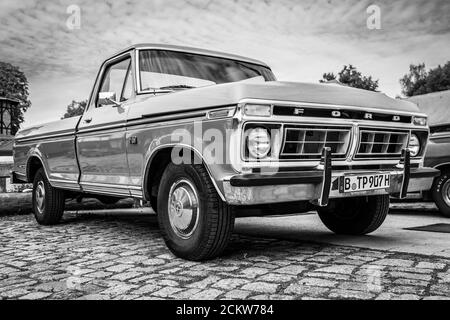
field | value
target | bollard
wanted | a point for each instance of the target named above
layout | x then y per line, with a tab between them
2	185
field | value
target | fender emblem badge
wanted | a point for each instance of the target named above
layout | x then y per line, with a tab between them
133	140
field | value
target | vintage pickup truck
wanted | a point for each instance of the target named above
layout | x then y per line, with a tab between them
206	137
436	106
438	156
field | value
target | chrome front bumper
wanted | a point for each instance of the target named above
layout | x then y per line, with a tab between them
322	184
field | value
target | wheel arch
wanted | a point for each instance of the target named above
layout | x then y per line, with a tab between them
34	163
443	166
158	161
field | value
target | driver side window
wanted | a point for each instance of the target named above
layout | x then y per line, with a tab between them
116	83
127	91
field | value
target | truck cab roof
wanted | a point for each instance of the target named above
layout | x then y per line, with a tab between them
140	46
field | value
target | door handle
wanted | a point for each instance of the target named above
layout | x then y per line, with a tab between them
88	120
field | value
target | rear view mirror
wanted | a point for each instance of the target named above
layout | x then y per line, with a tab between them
107	98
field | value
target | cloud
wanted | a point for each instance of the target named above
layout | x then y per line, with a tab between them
299	39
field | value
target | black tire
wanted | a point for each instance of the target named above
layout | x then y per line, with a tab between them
50	210
440	193
355	216
213	227
154	203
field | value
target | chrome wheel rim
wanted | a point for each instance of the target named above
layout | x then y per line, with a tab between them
40	196
446	192
184	210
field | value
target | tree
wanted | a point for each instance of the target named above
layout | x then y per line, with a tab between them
14	85
75	109
350	76
418	81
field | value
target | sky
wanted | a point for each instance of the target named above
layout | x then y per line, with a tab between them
299	39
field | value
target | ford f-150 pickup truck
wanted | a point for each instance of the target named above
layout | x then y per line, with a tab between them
436	106
438	156
206	137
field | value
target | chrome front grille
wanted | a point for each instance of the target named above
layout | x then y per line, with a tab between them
376	144
307	143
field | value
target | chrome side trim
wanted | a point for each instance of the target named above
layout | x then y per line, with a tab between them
169	122
65	184
105	189
119	125
146	119
137	194
98	184
108	189
59	137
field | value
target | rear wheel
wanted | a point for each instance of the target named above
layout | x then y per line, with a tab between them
355	216
48	202
196	224
441	193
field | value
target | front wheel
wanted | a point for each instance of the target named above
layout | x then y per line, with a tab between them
355	216
441	193
48	202
196	224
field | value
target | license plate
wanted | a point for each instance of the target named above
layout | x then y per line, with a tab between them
366	182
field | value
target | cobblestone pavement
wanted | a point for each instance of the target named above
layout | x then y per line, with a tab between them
123	257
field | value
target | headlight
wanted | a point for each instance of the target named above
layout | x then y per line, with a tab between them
420	121
258	143
414	145
258	110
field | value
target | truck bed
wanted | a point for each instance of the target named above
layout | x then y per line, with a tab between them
56	141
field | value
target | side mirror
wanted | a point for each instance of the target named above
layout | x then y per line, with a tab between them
107	98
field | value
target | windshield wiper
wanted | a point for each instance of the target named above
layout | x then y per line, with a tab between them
177	86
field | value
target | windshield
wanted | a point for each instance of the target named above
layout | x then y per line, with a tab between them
171	70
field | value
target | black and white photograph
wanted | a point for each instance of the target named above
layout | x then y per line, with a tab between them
230	157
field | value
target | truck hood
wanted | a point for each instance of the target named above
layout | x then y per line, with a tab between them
232	93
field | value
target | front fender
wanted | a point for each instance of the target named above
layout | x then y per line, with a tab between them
35	153
437	155
198	159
